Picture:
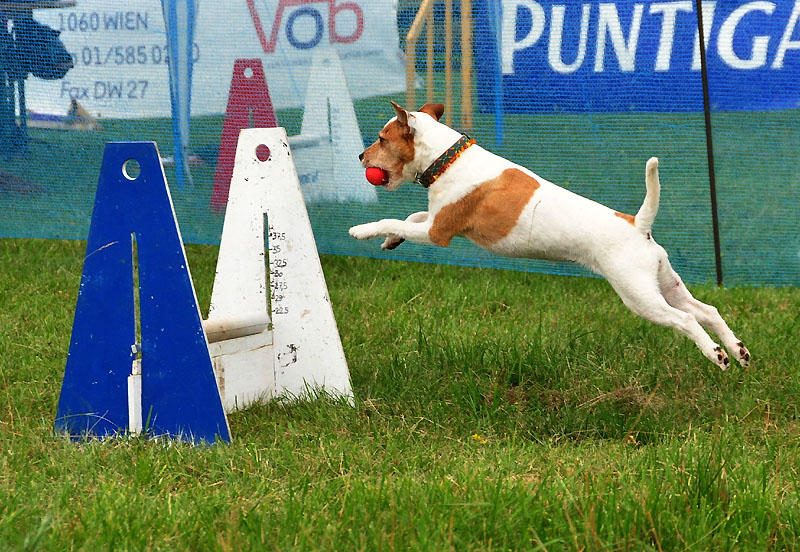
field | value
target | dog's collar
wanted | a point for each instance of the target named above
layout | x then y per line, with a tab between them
443	162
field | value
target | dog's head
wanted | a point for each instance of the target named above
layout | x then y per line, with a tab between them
397	149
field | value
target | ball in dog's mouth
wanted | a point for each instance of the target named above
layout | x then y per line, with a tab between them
377	176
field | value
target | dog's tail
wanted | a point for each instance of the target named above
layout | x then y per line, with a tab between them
647	212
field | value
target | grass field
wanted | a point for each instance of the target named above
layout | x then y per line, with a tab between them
495	410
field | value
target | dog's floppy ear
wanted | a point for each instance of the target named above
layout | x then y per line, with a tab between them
435	110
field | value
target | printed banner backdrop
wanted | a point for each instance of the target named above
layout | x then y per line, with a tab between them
120	52
582	108
550	55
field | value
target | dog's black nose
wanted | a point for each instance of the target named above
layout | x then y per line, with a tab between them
361	156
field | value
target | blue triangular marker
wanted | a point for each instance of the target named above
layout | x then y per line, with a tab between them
180	397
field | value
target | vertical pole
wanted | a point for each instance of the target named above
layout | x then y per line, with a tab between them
23	109
495	16
466	64
712	181
411	62
448	60
429	58
411	51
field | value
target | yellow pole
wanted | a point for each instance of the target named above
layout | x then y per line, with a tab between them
411	52
411	62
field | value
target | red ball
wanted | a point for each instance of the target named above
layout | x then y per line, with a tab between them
377	176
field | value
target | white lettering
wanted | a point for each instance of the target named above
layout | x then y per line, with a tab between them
786	42
670	11
523	22
509	44
556	38
758	51
609	23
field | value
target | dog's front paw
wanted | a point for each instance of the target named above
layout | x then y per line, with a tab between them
364	231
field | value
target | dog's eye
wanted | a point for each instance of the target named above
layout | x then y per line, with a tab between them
381	140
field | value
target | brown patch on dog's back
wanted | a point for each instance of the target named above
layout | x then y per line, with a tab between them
630	219
486	214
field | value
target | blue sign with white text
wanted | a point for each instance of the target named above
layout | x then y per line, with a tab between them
554	55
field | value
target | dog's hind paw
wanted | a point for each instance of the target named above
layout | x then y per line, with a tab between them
742	354
720	358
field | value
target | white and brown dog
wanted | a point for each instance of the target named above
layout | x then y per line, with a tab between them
507	209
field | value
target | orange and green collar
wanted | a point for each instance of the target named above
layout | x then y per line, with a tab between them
443	162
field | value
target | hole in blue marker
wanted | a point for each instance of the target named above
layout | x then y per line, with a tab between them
131	169
262	152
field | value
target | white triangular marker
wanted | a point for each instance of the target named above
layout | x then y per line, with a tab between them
302	352
330	137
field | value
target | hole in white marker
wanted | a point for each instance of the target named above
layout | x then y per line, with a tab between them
262	152
131	169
